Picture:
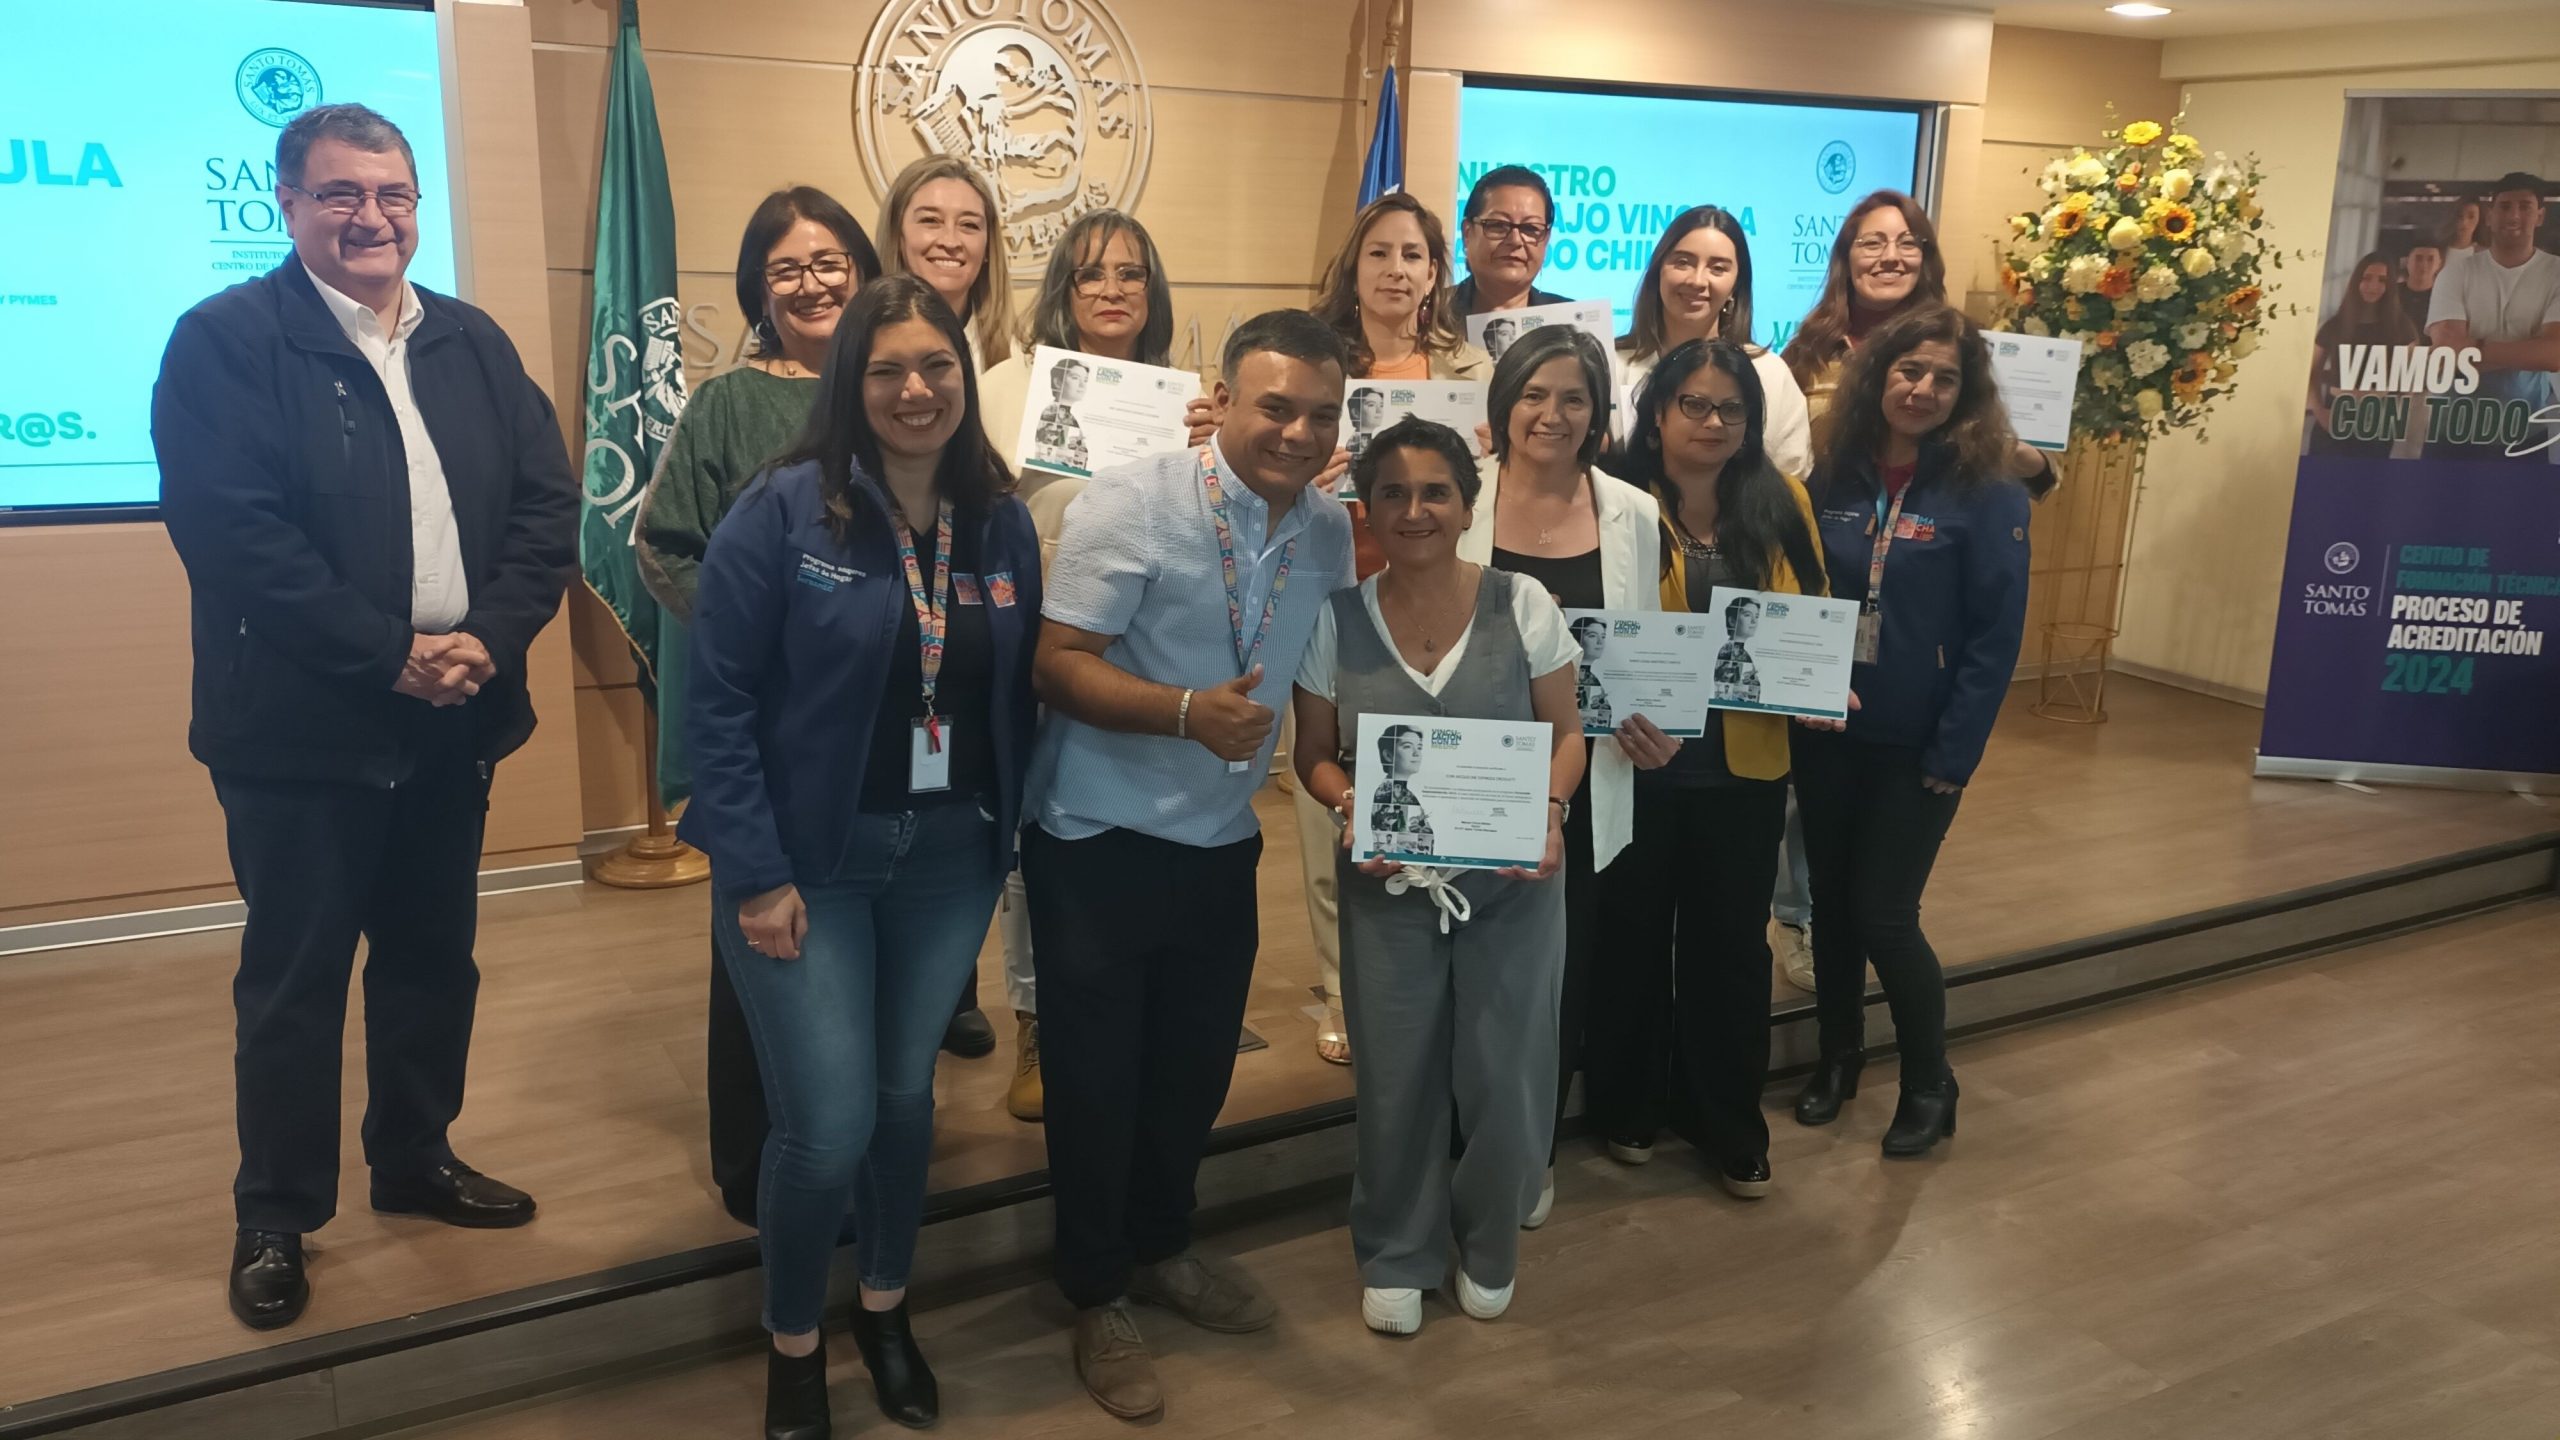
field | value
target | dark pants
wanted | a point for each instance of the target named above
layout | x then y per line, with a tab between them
1871	834
1679	1018
1581	934
735	1090
1144	950
320	865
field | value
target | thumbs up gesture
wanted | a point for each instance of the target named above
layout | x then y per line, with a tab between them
1229	721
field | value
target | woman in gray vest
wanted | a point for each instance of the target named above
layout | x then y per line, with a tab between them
1450	977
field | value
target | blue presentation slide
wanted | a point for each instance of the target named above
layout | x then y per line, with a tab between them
137	176
1623	165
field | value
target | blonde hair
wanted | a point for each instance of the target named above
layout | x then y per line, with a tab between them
990	318
1435	328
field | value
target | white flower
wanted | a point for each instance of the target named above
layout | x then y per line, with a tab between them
2148	404
2040	269
2191	336
2177	184
2084	272
2126	234
2087	172
2034	325
2197	262
2145	357
2126	305
2157	283
2245	346
2229	244
2083	338
2222	180
2107	374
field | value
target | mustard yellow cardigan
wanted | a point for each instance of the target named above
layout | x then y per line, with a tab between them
1755	746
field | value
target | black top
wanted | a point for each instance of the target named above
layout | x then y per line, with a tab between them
1700	761
964	696
1573	579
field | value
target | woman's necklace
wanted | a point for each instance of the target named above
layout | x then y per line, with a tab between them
1423	614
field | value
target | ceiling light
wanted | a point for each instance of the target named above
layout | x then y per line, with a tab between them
2138	10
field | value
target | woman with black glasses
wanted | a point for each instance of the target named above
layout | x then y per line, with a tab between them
1503	231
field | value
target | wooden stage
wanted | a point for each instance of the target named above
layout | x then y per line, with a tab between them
587	1065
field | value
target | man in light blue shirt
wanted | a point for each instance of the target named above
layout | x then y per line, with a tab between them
1183	593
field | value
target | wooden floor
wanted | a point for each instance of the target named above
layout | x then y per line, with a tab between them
2315	1202
115	1161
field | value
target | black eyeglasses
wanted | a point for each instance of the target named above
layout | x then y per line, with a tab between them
1089	278
785	277
1698	407
348	200
1499	230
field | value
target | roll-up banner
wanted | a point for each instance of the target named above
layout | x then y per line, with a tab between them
2422	576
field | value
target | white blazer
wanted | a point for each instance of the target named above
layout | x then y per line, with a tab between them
1630	579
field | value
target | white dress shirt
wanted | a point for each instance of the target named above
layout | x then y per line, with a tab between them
439	591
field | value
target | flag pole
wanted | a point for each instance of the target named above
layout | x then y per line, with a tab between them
654	859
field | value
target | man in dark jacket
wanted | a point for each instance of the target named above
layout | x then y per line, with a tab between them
377	516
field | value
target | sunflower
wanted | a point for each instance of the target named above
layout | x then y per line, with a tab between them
2066	222
2244	299
2141	132
2118	282
2171	221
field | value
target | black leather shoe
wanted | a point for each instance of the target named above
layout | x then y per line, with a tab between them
455	1194
969	1036
1745	1179
1920	1119
795	1394
268	1286
1834	1084
908	1392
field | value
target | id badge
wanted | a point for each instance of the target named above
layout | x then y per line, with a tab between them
1239	767
1870	632
928	765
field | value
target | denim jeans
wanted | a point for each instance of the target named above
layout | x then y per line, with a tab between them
846	1035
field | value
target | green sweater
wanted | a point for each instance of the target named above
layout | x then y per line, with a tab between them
735	422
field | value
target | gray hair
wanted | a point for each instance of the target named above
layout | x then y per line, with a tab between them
356	126
1053	315
1522	359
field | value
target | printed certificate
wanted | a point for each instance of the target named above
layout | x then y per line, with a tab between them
1083	413
1653	663
1781	654
1462	794
2038	375
1369	406
1494	330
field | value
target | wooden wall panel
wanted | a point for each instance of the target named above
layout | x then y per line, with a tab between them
1818	47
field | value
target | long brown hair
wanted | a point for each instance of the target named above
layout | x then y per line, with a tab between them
1977	429
1824	335
1339	305
990	319
1644	336
2382	322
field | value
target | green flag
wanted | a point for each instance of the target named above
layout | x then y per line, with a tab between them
635	383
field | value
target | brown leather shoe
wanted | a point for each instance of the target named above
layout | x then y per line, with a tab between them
1210	1291
1025	1098
1112	1360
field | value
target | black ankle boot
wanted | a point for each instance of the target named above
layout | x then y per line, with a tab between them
1919	1119
1834	1083
795	1394
908	1393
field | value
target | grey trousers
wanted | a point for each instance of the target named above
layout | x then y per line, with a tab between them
1457	1028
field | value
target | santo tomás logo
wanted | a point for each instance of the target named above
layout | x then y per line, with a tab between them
2342	558
276	85
1836	167
1042	97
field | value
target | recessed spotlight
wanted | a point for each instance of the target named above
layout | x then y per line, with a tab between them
2138	10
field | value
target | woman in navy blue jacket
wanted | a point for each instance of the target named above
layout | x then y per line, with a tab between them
861	718
1919	528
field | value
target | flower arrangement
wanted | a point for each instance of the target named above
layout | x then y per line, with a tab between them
2153	255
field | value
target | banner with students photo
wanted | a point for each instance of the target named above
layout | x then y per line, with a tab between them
2422	575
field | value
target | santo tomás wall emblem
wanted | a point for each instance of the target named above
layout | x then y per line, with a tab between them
1043	97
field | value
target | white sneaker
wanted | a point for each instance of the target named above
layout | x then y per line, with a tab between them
1546	1203
1794	945
1480	1303
1392	1312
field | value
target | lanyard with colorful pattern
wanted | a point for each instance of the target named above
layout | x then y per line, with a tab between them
1246	652
932	624
1886	520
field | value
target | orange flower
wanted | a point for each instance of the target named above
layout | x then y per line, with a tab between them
2192	374
2130	180
2008	277
2071	309
2118	282
2106	340
2244	299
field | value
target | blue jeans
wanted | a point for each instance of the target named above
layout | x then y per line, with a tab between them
1792	901
846	1036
